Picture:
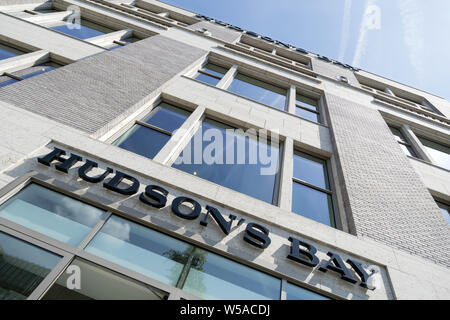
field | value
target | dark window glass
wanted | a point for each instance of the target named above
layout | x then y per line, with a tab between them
23	266
306	102
140	249
239	172
214	277
258	90
99	283
148	141
445	209
85	30
210	74
310	169
294	292
5	80
179	264
312	203
8	52
51	213
438	152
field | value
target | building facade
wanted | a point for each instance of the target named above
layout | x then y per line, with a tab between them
149	152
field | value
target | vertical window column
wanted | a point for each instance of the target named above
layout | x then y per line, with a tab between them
225	82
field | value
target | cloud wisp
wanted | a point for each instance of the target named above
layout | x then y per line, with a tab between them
345	33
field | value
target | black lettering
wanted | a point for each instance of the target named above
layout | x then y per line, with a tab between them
310	253
257	235
223	224
191	216
360	272
87	167
159	198
336	264
251	33
57	154
301	50
113	184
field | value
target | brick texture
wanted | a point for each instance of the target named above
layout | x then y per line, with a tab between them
100	91
384	195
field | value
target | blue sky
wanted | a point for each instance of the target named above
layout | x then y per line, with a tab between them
404	40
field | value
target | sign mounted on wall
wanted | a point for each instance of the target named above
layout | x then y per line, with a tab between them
255	234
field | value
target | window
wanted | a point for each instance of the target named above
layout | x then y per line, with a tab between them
404	145
8	52
445	209
307	108
120	43
298	293
210	74
12	77
86	29
440	154
99	283
235	163
51	213
23	266
147	137
311	195
179	264
259	90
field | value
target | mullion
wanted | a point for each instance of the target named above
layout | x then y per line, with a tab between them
13	76
210	74
307	109
150	126
311	185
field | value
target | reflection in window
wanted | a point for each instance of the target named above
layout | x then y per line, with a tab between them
260	91
404	145
311	195
179	264
307	108
85	30
8	52
99	283
298	293
148	137
439	153
23	266
13	77
140	249
51	213
236	163
445	209
210	74
213	277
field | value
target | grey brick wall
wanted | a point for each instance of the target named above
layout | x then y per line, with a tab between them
100	91
384	195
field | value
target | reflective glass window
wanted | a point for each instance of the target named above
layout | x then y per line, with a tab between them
8	52
5	81
445	209
259	90
99	283
404	144
214	277
210	74
307	108
311	195
294	292
51	213
86	29
23	266
438	152
149	135
232	159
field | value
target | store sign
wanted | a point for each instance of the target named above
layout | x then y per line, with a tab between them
268	39
255	234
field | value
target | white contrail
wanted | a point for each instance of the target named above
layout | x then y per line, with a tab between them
345	32
371	20
413	24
